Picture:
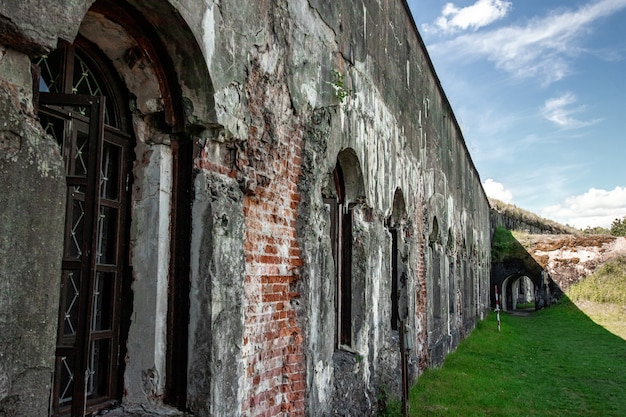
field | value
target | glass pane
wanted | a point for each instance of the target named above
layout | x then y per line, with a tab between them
107	235
109	176
50	66
86	83
55	127
101	317
65	370
74	236
70	290
98	372
81	154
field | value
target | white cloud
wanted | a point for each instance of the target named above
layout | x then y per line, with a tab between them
559	111
594	208
479	14
496	190
543	47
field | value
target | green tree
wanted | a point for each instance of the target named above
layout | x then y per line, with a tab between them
618	227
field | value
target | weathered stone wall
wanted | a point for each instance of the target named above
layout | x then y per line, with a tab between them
31	240
404	136
262	108
537	227
24	27
217	293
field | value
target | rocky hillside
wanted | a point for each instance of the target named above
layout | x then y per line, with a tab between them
569	258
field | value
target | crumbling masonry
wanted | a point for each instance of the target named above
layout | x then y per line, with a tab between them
228	208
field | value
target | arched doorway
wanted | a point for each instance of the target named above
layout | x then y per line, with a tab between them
116	91
81	104
517	289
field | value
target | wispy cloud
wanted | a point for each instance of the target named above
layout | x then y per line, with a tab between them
560	111
594	208
554	181
479	14
543	47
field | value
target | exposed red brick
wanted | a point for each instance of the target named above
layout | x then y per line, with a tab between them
273	347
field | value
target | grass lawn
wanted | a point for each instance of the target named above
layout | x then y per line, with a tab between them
610	316
554	362
602	296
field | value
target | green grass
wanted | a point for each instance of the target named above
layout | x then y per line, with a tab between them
505	245
560	361
606	285
602	296
554	362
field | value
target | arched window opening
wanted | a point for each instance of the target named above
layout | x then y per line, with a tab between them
341	240
81	107
434	234
398	274
451	273
83	103
78	69
396	265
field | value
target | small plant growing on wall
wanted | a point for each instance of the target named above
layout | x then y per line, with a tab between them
339	84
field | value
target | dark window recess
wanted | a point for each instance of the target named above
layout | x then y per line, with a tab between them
345	284
333	212
341	239
451	289
395	277
178	291
436	274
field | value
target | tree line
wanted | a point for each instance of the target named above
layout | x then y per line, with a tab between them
618	228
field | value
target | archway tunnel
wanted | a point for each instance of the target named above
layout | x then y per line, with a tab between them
516	291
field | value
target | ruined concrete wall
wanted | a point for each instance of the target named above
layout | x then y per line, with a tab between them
26	28
217	291
403	133
503	220
32	195
269	121
32	191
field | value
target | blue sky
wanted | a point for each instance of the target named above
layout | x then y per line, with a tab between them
539	89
